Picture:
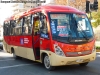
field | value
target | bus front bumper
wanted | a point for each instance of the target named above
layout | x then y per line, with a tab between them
56	60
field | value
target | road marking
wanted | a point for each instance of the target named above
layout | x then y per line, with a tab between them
14	66
7	60
98	54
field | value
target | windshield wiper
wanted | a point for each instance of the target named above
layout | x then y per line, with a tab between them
84	34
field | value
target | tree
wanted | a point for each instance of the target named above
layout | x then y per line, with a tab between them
96	17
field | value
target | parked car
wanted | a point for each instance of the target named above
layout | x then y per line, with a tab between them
1	45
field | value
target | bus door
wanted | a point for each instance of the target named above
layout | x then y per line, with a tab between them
36	38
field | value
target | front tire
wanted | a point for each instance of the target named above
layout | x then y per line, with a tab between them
83	64
47	63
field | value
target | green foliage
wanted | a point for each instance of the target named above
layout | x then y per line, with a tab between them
96	17
97	47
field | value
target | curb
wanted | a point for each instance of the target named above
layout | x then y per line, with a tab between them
97	50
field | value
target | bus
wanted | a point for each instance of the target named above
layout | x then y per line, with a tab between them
54	35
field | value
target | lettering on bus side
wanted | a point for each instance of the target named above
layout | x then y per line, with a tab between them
24	41
21	41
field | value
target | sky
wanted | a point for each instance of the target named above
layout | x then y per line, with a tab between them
6	10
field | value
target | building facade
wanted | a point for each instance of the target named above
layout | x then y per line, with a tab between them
22	7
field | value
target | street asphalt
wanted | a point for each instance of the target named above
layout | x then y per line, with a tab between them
10	66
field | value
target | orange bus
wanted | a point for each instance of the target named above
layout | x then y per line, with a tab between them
51	34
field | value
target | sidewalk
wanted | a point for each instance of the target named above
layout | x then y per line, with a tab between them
97	43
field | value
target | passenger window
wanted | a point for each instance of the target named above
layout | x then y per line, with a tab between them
36	25
43	27
6	28
18	28
12	25
27	27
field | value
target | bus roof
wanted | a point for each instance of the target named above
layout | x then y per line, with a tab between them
47	8
55	8
51	8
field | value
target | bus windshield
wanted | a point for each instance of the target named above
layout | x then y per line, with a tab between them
65	26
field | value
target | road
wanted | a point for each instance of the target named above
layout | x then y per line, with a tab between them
10	66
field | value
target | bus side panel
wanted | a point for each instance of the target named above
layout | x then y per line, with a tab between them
30	54
7	43
24	52
22	41
12	40
45	44
4	45
28	41
26	45
23	46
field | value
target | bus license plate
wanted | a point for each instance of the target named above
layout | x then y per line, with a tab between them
79	60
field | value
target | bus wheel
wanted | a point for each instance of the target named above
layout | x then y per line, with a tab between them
47	63
83	64
15	56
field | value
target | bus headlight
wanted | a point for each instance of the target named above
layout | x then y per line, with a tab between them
58	50
94	49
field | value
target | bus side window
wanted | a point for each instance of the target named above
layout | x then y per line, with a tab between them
27	26
12	25
36	25
43	27
6	28
18	27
